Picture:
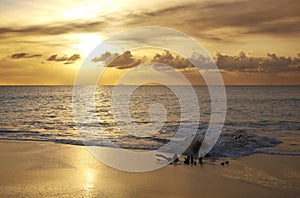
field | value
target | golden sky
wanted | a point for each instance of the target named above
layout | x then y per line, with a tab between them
252	42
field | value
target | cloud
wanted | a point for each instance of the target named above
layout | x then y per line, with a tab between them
56	58
69	62
158	61
54	28
271	63
74	57
24	55
123	61
106	57
220	21
242	62
208	20
168	58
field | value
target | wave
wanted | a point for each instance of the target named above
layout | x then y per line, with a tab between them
241	143
291	153
236	144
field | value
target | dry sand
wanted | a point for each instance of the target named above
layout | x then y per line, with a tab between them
41	169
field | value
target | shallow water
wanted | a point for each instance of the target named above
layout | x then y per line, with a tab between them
257	117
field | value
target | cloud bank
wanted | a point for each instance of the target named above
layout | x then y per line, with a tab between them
271	63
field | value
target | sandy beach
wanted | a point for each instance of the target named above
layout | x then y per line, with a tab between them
41	169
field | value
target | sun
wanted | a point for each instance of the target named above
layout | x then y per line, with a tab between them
87	43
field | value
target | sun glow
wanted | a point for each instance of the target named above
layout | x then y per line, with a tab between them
87	43
82	12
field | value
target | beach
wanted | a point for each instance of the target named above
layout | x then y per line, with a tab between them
150	99
44	169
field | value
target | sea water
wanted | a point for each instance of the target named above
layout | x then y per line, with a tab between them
258	118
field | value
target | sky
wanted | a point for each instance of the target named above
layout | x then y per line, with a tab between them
252	42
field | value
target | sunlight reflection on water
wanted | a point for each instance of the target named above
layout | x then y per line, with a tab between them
89	179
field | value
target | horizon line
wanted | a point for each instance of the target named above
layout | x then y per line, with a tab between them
41	85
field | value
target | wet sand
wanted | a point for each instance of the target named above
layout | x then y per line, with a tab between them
42	169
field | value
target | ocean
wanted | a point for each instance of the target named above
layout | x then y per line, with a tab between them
259	119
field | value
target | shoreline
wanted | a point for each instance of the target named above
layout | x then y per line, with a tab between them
260	150
34	169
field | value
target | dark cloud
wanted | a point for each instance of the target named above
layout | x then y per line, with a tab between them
72	58
106	57
24	55
158	61
169	59
69	62
55	28
268	64
123	61
180	63
242	62
211	20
